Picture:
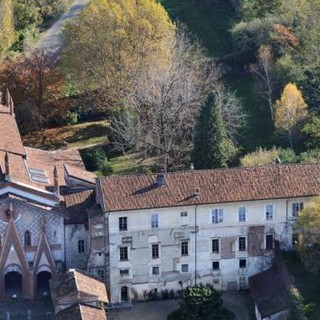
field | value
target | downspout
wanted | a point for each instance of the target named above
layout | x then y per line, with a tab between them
195	244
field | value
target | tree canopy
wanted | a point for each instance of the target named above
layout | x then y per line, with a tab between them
308	228
290	110
111	42
7	32
201	303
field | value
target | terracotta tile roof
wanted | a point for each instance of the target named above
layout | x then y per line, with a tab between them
80	174
90	285
46	160
81	312
215	186
10	137
78	199
76	204
74	286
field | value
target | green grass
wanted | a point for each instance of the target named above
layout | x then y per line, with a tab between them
131	164
211	21
307	283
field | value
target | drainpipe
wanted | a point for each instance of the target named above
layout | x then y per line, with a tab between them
195	243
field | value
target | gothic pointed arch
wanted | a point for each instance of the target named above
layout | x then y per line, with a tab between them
43	260
13	253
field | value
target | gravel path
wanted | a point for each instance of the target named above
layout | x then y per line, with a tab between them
51	39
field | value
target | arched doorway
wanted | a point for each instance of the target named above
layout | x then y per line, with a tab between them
43	288
124	294
13	284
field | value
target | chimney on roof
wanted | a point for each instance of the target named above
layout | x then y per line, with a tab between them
64	145
7	167
161	180
56	181
197	193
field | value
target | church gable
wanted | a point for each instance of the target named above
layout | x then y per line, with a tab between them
12	251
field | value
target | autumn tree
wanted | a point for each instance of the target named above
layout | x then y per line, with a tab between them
7	32
263	70
111	42
212	148
35	83
164	102
290	111
308	228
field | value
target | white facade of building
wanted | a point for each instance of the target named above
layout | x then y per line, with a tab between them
153	251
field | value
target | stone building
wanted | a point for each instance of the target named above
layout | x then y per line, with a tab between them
34	185
165	232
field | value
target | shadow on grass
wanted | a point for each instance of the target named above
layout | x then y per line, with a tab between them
90	131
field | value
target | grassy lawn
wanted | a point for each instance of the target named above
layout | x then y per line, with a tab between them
307	283
211	22
78	136
131	164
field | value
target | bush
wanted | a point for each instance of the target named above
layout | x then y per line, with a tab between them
106	168
94	158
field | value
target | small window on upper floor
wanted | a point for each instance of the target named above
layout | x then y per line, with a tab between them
216	215
155	221
183	213
123	224
242	214
296	207
184	248
269	211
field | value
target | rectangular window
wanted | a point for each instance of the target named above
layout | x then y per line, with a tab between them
242	263
269	211
80	246
100	273
155	251
269	242
123	253
217	216
296	207
215	245
215	265
155	221
123	225
242	214
155	270
184	248
184	268
124	272
183	214
242	244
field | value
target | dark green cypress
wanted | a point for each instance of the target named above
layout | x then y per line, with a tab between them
210	138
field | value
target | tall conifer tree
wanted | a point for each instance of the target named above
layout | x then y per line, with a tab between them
211	145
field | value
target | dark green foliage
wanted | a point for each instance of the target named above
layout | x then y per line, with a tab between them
94	158
201	303
211	148
312	130
288	156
